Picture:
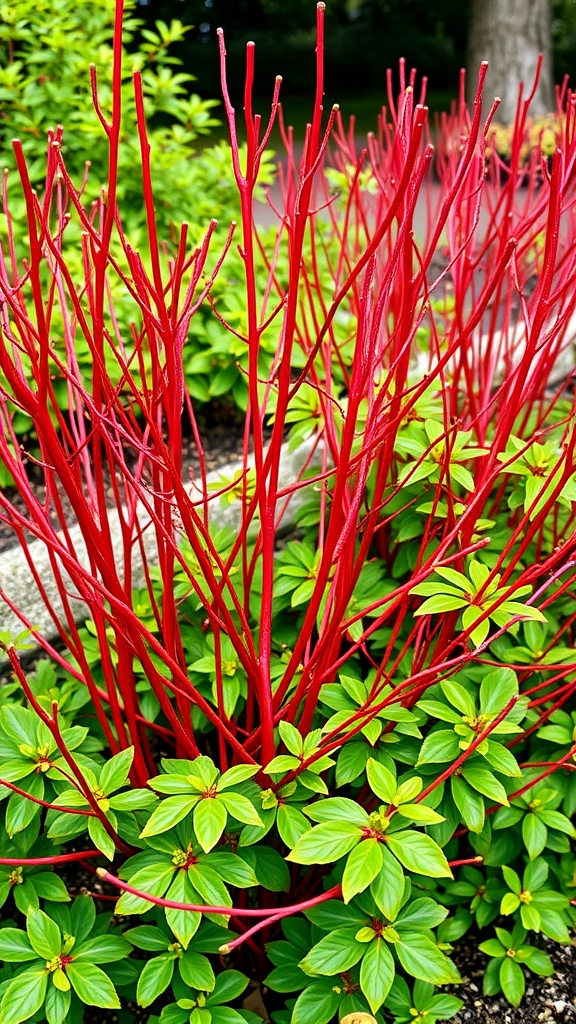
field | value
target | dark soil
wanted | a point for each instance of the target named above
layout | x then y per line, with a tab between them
221	429
547	999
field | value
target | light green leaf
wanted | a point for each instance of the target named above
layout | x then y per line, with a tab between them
168	813
209	822
336	952
422	959
92	985
196	971
362	866
381	781
388	887
239	773
155	978
99	836
24	996
114	773
512	981
239	807
338	808
326	843
419	853
15	946
376	973
315	1005
44	934
534	834
184	923
497	690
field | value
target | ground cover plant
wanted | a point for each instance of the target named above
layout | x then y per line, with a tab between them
309	758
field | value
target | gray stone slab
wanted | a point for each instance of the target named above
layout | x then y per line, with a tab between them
17	578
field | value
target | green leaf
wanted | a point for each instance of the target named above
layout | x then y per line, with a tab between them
147	936
351	762
513	879
439	746
512	981
57	1005
83	917
479	633
229	985
240	808
196	971
102	949
315	1005
484	782
419	853
469	803
376	973
458	697
538	962
381	781
92	986
239	773
441	603
50	886
282	763
338	808
233	869
291	824
422	959
420	914
534	834
290	737
155	978
15	946
336	952
510	903
184	923
420	814
210	886
497	690
492	947
24	996
362	866
114	773
99	836
502	760
168	813
44	934
554	819
326	843
437	709
209	822
388	887
154	879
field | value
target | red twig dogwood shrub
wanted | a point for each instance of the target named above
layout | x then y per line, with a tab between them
378	693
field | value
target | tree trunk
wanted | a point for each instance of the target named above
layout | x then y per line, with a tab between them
510	34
